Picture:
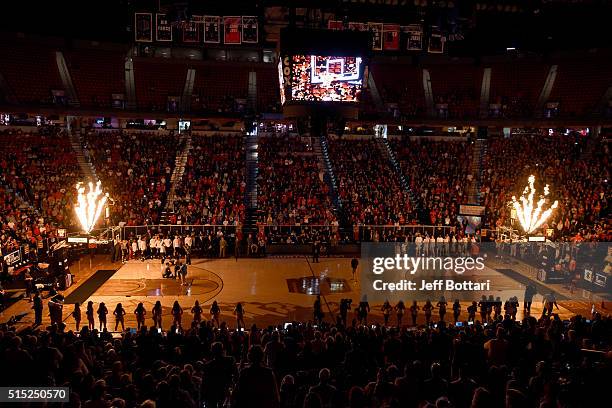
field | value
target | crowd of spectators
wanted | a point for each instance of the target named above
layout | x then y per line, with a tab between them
213	186
541	363
135	168
367	185
38	177
576	168
438	173
291	189
39	172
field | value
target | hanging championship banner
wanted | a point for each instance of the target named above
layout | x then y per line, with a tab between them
143	27
212	29
231	30
414	37
335	25
358	26
249	29
391	37
436	41
163	28
376	29
191	31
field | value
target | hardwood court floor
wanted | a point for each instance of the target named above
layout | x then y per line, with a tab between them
272	290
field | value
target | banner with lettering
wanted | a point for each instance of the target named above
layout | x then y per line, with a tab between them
377	39
191	31
335	25
391	38
249	29
436	41
143	27
414	37
474	210
358	26
163	28
212	29
12	258
231	30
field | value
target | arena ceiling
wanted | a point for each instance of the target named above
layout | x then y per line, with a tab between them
482	27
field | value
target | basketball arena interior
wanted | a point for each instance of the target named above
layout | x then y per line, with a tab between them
290	203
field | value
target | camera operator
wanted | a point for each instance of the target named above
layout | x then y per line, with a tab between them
345	306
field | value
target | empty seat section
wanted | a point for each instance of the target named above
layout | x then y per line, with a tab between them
268	93
580	85
516	86
96	75
401	84
30	71
156	80
458	86
217	86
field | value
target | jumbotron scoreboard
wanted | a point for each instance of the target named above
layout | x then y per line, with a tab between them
321	66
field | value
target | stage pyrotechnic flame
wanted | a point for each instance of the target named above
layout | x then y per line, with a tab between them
530	217
90	205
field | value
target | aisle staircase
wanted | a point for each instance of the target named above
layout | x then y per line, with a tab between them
130	83
177	175
429	99
188	90
378	102
476	169
593	143
252	171
545	92
321	148
62	67
83	158
485	93
387	151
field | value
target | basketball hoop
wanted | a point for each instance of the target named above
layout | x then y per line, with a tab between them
327	78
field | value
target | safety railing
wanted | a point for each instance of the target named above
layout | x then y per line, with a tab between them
132	231
293	233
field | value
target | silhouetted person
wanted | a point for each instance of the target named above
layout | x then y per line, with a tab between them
318	310
530	292
76	314
217	378
256	386
119	314
354	265
102	312
141	314
89	312
37	305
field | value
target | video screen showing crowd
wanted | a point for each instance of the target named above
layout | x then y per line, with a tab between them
326	78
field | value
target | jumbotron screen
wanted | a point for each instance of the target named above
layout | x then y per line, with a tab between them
319	78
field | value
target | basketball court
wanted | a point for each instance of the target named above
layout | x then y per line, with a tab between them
273	291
